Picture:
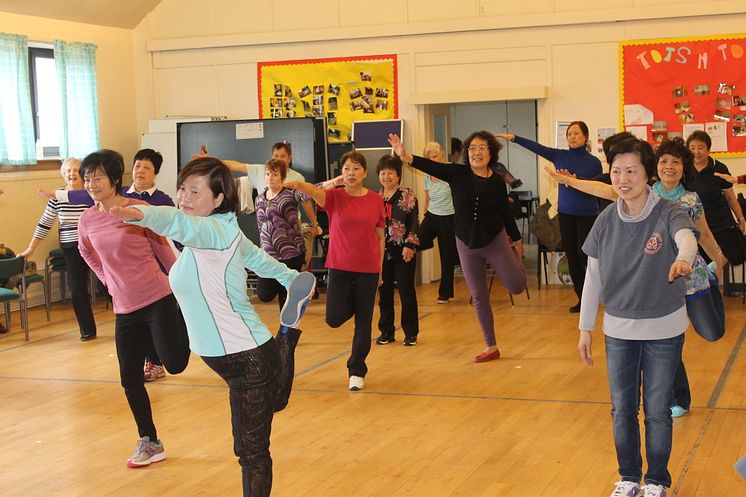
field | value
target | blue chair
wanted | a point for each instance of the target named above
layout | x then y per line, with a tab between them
8	269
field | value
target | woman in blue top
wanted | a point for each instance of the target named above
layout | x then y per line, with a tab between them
209	281
577	210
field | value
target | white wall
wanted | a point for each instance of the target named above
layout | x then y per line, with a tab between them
20	206
201	60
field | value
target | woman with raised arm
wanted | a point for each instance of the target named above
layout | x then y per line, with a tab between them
209	280
485	228
577	211
354	258
75	267
638	249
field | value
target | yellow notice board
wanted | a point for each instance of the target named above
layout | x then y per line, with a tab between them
341	89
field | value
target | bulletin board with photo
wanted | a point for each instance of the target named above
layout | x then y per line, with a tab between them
672	87
342	90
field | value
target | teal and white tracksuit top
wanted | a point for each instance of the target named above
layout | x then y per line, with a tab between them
209	279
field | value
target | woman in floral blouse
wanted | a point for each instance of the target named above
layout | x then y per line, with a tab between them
399	262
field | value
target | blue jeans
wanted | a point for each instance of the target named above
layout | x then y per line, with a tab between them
651	364
706	312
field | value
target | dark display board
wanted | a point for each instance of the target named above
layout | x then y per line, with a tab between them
250	141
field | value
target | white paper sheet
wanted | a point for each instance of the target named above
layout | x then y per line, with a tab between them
717	132
248	131
636	114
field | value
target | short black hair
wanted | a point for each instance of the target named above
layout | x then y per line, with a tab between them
389	162
700	136
355	157
456	145
677	148
610	141
285	145
110	162
219	178
149	154
634	146
492	143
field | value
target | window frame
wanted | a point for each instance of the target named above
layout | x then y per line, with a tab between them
34	53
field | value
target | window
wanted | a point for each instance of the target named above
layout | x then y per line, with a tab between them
45	102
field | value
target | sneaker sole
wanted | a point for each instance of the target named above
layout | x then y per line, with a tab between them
300	292
155	458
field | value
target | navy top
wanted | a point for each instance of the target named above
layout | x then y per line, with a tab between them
710	190
480	204
577	161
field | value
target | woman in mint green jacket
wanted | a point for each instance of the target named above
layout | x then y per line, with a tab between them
209	281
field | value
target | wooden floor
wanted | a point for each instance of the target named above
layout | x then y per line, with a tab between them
430	422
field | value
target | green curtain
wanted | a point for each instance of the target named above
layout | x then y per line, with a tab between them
17	143
76	74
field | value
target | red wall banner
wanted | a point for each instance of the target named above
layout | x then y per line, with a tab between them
671	87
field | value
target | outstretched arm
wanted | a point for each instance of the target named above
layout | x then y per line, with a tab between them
316	193
589	186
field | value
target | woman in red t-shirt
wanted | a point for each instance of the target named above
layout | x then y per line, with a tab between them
356	238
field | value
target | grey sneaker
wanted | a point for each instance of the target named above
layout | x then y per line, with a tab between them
299	293
146	452
652	490
627	489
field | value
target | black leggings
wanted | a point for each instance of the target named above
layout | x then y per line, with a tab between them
165	323
260	381
267	288
353	294
442	228
574	230
77	276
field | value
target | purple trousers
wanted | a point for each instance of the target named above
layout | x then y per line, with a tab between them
509	270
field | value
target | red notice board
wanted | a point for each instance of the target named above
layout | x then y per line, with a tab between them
670	87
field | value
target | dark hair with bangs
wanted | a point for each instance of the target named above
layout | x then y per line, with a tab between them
219	178
389	162
355	157
677	148
149	154
110	162
634	146
492	143
277	166
700	136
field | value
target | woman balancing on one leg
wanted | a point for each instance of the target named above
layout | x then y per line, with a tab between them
356	240
129	261
209	280
483	223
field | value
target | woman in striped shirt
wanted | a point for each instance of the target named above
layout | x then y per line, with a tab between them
77	270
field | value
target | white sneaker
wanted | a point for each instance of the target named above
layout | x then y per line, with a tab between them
653	490
627	489
356	383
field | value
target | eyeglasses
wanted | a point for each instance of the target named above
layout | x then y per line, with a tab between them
481	148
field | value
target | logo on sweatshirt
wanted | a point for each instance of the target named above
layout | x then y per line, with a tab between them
654	244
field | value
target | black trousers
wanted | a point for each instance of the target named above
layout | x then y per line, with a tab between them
164	321
574	230
259	384
353	294
401	273
442	228
77	277
267	288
